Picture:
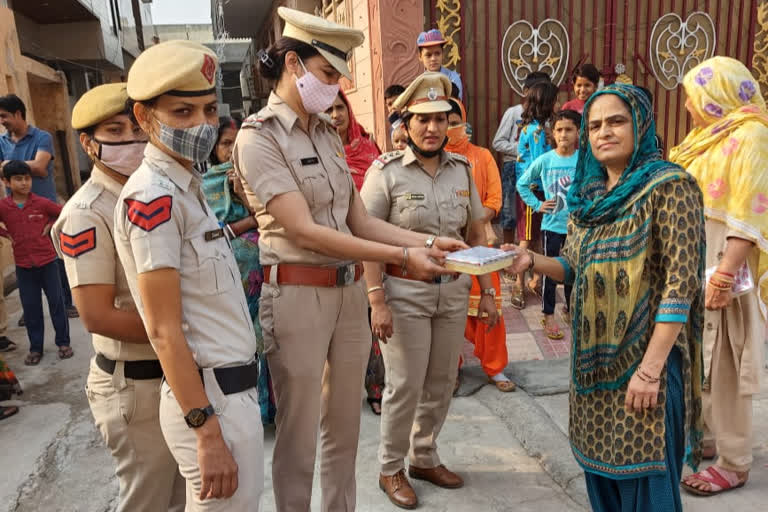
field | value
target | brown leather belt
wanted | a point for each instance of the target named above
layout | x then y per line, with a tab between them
397	271
315	275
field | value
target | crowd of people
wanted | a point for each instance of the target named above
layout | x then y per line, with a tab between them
238	276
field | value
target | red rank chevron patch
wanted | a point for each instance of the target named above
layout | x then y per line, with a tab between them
149	215
78	244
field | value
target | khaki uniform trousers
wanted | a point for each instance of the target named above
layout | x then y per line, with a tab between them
317	342
421	359
727	411
126	413
240	420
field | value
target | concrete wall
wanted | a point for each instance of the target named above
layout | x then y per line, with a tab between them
198	33
44	92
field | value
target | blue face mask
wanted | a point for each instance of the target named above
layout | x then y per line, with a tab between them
194	143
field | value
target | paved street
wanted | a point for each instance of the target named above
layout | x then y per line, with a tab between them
511	449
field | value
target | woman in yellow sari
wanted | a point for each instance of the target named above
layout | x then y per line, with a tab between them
727	153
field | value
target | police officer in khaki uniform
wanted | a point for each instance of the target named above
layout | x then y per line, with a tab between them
123	384
314	229
428	190
185	281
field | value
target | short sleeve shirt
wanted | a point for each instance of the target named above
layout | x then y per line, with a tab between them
83	239
163	221
398	190
26	149
273	156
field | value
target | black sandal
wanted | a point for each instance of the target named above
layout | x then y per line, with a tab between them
6	345
66	352
8	411
372	401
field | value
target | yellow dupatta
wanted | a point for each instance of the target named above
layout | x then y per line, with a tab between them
729	156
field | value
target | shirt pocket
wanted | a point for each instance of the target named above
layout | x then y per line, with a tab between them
314	184
213	274
412	212
458	211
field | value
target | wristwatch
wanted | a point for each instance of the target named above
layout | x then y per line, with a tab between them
489	291
197	417
430	242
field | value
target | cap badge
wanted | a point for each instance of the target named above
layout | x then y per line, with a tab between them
209	68
432	94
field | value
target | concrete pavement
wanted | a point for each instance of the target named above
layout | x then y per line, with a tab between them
511	448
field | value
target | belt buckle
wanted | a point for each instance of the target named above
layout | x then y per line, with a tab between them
345	275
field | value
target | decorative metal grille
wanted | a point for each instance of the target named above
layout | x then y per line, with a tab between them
526	48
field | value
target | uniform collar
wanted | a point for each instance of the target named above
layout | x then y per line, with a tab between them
178	174
282	111
109	183
286	115
410	157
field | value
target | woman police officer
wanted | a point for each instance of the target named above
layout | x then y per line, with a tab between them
314	228
185	282
432	191
123	386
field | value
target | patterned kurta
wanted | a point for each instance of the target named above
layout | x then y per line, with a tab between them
656	244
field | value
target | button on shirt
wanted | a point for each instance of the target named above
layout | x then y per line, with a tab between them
26	149
25	227
273	156
403	193
161	221
84	240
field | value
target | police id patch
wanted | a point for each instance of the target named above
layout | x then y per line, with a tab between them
79	243
148	216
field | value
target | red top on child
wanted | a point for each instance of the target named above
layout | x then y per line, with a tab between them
28	227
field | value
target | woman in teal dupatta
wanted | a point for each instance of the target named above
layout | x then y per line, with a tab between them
226	198
635	257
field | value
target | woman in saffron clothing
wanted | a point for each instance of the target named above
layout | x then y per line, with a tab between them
726	152
635	255
360	152
490	345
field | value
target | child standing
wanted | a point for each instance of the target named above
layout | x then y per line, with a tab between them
430	47
533	142
555	169
29	218
587	78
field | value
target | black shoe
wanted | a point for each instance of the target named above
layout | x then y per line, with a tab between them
72	312
6	345
22	323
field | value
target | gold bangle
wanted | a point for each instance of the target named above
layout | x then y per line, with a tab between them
374	289
404	267
533	260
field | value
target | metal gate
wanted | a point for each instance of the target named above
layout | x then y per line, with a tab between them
649	43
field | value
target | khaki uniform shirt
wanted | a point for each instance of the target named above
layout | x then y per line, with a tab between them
161	221
83	238
398	189
273	155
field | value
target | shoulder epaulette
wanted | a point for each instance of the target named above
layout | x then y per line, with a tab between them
457	157
88	194
257	120
386	158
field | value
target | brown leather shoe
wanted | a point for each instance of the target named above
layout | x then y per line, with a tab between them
399	490
440	476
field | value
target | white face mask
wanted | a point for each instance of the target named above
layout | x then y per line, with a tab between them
316	96
122	157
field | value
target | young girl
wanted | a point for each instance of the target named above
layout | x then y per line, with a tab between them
586	80
533	142
555	169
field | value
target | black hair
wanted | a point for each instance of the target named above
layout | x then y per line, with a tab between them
570	115
394	116
455	91
647	92
16	168
588	71
12	104
455	108
393	91
272	61
540	103
535	77
225	123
